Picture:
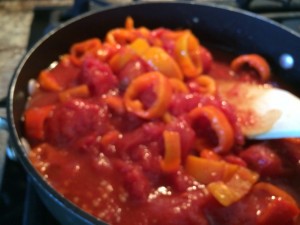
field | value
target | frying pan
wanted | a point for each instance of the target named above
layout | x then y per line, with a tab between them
225	27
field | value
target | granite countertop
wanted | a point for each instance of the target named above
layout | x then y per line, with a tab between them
15	21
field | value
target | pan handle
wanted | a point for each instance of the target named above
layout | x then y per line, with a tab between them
3	126
2	102
8	150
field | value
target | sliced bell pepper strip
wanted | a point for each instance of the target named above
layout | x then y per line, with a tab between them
256	62
234	189
81	91
124	36
172	156
48	82
116	103
80	50
178	86
206	84
157	58
207	171
121	58
168	117
140	45
162	89
129	23
161	61
209	154
220	125
34	119
185	48
110	138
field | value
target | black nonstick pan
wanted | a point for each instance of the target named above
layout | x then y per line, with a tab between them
227	28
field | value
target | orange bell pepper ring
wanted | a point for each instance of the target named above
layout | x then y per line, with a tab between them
172	157
162	89
187	53
219	124
206	84
123	36
254	61
80	50
157	58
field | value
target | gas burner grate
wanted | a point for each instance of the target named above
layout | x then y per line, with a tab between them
269	5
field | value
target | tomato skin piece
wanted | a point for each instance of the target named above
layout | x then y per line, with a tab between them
74	119
281	207
262	159
131	70
98	76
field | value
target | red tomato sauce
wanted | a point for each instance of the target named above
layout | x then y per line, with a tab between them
107	159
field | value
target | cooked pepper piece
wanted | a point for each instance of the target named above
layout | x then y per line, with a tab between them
172	157
140	45
48	81
187	53
82	49
161	61
219	123
162	89
35	120
205	84
207	171
81	91
235	188
115	103
256	62
178	86
121	58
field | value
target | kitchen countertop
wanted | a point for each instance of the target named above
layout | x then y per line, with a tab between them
15	21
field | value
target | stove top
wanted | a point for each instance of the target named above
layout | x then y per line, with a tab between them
19	203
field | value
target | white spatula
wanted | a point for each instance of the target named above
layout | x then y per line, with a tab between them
265	112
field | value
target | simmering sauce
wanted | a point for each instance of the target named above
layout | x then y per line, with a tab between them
133	130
